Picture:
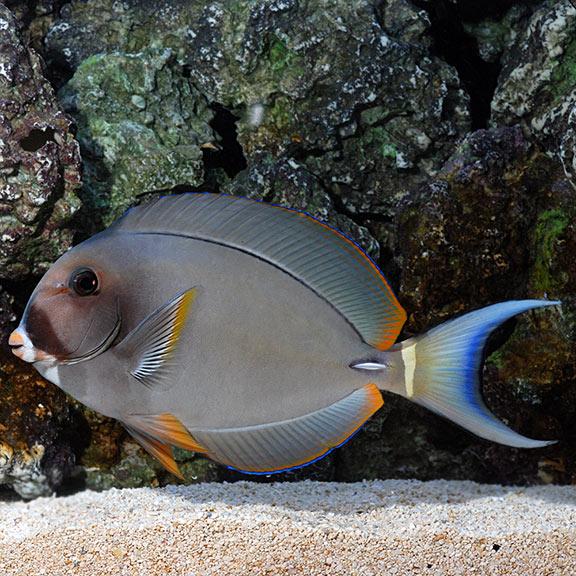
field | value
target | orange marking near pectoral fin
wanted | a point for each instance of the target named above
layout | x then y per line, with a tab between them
151	345
162	452
166	428
181	315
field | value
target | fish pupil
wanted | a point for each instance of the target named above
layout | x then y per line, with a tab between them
84	282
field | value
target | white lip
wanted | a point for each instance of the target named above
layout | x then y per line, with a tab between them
23	348
25	351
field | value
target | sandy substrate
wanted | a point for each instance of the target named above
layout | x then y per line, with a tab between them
245	529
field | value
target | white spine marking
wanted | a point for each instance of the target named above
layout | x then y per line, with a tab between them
409	359
370	366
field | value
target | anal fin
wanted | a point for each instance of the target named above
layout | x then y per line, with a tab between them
289	444
165	428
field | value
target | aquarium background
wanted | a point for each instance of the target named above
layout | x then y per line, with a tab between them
439	134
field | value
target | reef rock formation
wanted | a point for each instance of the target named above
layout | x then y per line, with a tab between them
39	161
497	223
537	85
39	179
141	126
360	101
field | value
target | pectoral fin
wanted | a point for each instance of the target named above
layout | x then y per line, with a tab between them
150	346
162	452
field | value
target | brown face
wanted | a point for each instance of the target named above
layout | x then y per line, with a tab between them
73	314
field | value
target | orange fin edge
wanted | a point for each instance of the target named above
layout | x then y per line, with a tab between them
391	330
374	401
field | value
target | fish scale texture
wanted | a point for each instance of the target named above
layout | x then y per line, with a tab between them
368	528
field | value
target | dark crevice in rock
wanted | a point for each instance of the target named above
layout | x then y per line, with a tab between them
301	154
186	70
20	290
47	208
58	72
37	138
455	46
230	157
359	218
269	196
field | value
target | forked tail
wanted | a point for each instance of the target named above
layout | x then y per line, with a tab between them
442	370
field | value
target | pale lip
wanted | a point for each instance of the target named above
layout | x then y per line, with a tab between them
22	346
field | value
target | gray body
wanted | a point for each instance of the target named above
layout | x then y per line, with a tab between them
246	331
258	346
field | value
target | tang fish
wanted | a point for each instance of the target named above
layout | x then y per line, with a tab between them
251	333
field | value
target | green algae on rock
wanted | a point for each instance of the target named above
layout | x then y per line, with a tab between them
140	126
300	93
550	228
496	35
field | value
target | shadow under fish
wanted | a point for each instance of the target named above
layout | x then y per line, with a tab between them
252	333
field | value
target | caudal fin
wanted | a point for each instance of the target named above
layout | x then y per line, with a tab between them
442	370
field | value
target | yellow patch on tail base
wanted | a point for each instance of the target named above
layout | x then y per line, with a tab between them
409	359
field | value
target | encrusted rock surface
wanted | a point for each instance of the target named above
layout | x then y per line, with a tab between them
40	432
537	85
140	126
359	113
39	179
39	161
359	99
496	224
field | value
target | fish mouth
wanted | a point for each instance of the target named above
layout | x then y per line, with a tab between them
23	348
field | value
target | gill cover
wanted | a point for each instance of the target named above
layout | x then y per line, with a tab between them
73	314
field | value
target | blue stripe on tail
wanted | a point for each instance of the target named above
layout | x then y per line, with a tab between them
446	374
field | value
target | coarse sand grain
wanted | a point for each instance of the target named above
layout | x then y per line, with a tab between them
306	528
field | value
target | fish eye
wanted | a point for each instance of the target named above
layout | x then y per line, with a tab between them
84	282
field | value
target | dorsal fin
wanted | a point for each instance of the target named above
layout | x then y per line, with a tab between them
319	256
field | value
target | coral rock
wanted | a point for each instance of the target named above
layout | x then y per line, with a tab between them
39	161
537	85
